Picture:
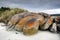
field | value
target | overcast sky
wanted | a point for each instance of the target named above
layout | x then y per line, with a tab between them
31	4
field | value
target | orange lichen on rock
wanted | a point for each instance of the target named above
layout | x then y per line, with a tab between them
50	20
30	24
22	22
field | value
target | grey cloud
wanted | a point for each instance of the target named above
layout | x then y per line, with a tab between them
32	4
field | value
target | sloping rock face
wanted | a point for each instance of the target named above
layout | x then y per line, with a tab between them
29	22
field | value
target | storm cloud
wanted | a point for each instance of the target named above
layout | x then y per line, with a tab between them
31	4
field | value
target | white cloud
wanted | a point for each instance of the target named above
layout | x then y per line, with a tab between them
52	11
48	11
